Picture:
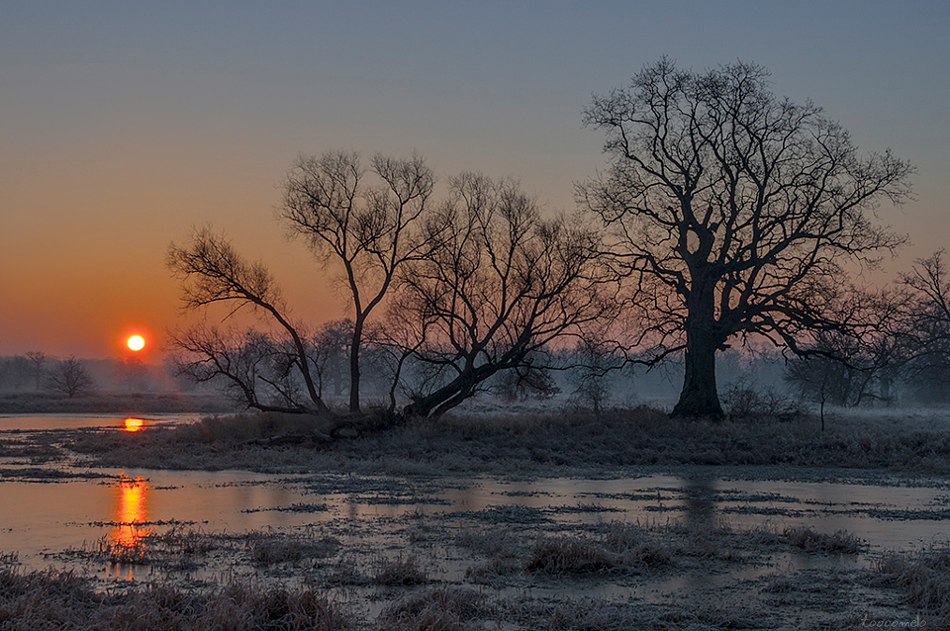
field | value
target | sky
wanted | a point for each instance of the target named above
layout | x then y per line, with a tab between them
124	125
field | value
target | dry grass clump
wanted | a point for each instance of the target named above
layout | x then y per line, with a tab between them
634	547
63	601
116	553
437	609
810	540
401	570
566	555
503	551
184	540
268	548
923	578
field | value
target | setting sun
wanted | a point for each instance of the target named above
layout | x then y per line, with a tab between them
136	342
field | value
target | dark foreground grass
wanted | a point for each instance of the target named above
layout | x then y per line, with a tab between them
530	444
539	579
923	579
41	600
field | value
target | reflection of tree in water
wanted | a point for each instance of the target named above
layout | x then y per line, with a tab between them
700	502
700	491
130	513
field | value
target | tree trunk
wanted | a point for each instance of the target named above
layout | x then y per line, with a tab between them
355	364
700	397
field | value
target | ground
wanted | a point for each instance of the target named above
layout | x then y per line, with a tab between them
527	564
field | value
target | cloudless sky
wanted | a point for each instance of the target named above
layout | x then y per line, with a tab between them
123	125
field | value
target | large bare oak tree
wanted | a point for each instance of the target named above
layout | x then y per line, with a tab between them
733	211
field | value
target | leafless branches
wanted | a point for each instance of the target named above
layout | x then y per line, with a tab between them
369	229
732	210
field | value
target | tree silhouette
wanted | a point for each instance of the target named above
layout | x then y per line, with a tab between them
71	378
369	229
212	272
928	333
504	283
733	211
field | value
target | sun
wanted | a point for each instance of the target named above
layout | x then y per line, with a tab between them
136	342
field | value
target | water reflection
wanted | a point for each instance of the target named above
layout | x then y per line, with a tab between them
133	424
131	512
700	490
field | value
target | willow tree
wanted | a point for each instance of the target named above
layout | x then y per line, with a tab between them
505	284
734	211
367	229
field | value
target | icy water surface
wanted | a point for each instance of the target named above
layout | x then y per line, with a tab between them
44	516
49	515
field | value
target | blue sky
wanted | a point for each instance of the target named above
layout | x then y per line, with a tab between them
124	124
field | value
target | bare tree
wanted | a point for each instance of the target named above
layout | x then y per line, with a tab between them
37	359
504	284
593	370
733	211
369	229
257	370
212	272
857	364
928	332
71	378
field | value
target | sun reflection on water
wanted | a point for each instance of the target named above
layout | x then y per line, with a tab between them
130	517
133	424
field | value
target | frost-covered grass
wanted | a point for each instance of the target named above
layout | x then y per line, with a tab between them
557	443
923	578
298	579
39	600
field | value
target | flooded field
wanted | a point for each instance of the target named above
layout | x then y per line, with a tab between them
685	538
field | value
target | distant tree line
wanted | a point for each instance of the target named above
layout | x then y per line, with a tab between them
37	371
727	215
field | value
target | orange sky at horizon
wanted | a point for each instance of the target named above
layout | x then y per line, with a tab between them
123	126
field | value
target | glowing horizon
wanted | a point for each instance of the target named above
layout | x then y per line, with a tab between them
149	120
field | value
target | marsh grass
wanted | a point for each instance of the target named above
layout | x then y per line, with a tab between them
401	570
266	548
810	540
446	608
603	615
528	444
43	600
923	578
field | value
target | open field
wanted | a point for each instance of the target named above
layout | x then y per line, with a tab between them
530	563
